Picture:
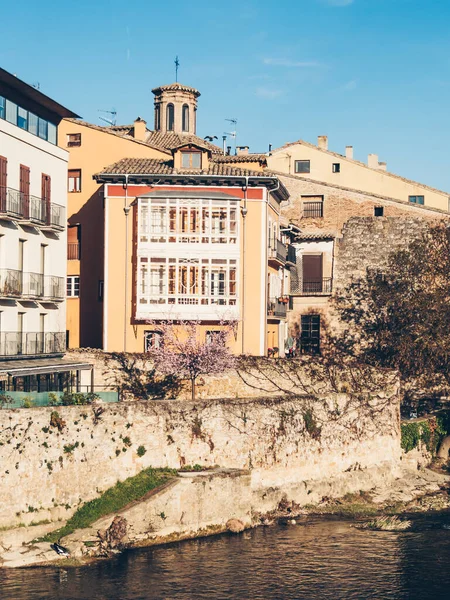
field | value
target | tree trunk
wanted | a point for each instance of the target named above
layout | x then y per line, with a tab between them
193	389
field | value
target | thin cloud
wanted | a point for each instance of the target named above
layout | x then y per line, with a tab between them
268	93
349	86
283	62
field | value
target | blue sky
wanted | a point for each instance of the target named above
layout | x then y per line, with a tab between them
374	74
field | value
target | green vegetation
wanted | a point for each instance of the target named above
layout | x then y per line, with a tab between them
386	523
141	451
194	468
112	500
429	433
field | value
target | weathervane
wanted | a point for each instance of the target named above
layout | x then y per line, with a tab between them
177	64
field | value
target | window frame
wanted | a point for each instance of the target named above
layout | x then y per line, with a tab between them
311	213
191	154
70	177
302	161
310	344
73	286
336	167
378	208
72	143
152	339
416	199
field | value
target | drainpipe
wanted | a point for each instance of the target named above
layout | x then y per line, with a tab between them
244	211
126	210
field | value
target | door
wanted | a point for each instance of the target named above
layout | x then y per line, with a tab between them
310	334
312	273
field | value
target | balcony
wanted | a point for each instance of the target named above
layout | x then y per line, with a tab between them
32	286
277	252
275	308
291	255
17	206
318	287
73	251
31	343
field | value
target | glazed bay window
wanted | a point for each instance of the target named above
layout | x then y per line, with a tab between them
188	221
187	281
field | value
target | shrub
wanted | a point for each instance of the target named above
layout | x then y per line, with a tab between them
141	451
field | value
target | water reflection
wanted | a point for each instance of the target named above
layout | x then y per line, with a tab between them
319	560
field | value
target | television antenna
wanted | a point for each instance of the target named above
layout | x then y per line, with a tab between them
177	64
233	133
110	120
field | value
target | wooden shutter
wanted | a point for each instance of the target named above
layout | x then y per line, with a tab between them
25	189
3	176
46	196
312	273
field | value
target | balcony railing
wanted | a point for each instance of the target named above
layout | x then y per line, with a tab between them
19	206
73	251
275	308
291	254
318	287
277	251
13	343
35	286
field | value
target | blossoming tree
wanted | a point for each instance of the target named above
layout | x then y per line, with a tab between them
184	354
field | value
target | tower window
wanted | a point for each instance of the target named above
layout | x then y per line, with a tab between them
185	121
157	118
170	117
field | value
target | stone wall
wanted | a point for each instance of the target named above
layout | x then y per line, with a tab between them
53	462
341	204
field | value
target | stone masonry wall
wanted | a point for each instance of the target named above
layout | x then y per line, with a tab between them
341	204
51	462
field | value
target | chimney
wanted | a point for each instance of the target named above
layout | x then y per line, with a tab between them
349	152
140	129
322	142
242	150
224	143
372	161
228	150
270	149
382	166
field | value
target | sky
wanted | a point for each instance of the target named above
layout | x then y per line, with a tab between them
374	74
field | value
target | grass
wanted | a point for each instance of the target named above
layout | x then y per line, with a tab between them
112	500
386	523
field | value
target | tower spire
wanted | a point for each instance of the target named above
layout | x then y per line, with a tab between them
177	64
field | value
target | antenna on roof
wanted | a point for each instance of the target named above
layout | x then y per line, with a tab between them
37	85
234	132
112	120
177	64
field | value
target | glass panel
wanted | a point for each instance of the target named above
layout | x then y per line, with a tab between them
32	123
2	107
42	128
11	112
52	133
22	118
185	160
196	160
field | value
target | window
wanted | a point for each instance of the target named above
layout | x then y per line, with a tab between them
302	166
417	199
212	336
312	207
73	139
185	119
378	211
26	120
11	112
101	289
310	334
74	180
73	242
22	118
312	273
152	339
336	167
2	107
170	117
191	160
73	286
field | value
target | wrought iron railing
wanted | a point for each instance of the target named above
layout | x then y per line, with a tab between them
13	343
291	254
11	202
316	287
54	287
56	216
19	284
312	209
10	283
36	210
18	205
277	250
275	308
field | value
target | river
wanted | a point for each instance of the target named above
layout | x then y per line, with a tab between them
319	558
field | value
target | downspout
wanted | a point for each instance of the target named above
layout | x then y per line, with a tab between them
126	210
244	211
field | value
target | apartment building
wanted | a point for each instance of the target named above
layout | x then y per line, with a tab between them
33	175
193	239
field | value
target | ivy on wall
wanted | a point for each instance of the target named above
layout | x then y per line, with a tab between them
428	433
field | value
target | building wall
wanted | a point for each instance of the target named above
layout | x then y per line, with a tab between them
341	204
42	157
353	175
98	149
251	336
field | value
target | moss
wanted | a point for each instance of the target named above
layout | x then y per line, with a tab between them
112	500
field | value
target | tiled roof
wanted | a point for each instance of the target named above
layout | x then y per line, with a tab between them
152	166
175	87
168	141
242	158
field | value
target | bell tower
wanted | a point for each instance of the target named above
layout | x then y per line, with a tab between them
176	108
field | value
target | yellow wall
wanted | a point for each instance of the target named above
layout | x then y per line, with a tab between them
353	175
98	150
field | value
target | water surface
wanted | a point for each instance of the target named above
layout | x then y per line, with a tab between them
317	559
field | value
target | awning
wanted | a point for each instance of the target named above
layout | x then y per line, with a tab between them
40	366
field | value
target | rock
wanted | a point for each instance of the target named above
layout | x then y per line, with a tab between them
235	526
113	539
444	448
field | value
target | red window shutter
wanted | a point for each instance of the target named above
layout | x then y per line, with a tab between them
25	189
